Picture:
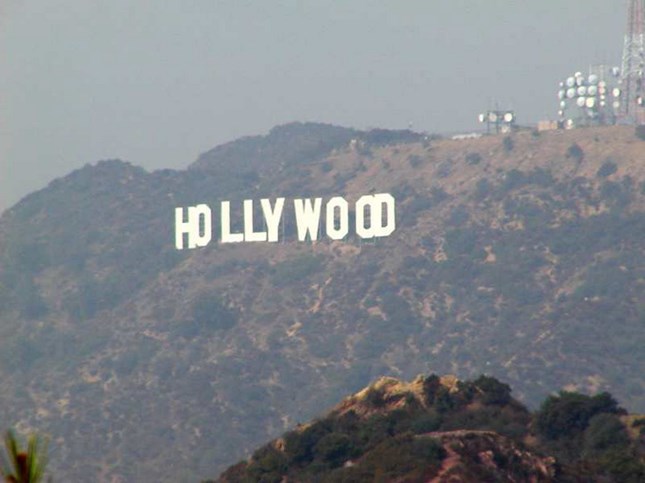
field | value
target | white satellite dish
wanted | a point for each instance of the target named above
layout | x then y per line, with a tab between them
616	105
562	94
615	92
590	102
582	91
571	93
592	90
509	117
570	82
563	104
593	79
481	117
615	71
581	101
492	117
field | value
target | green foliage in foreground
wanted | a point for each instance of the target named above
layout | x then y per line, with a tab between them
23	465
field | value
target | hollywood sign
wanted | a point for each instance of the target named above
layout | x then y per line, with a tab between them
374	217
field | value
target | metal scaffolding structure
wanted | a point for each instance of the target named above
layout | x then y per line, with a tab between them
632	108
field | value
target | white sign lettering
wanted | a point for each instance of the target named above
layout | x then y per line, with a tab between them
196	237
375	216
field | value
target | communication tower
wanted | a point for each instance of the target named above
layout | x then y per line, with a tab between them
633	68
593	99
504	121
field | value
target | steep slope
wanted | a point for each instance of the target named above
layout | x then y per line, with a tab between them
521	258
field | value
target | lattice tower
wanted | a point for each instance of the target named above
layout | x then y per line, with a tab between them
633	68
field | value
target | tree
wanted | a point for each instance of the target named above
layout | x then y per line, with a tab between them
493	391
608	168
575	152
569	413
23	466
640	132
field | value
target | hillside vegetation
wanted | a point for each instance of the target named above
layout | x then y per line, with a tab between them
439	429
519	257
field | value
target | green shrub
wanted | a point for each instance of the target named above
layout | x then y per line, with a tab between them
299	445
640	132
482	189
608	168
492	390
267	465
415	160
605	431
334	449
575	152
473	158
569	413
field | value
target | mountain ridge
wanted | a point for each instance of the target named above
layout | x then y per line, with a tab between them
518	256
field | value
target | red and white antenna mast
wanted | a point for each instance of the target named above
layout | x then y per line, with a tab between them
633	70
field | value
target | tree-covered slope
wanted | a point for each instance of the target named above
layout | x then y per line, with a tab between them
444	430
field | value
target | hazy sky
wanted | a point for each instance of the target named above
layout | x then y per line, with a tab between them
158	82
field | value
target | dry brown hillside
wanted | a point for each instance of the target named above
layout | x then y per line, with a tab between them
518	257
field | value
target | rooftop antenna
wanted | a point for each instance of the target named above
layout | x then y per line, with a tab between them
633	69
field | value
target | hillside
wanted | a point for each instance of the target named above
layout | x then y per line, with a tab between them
439	429
518	257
